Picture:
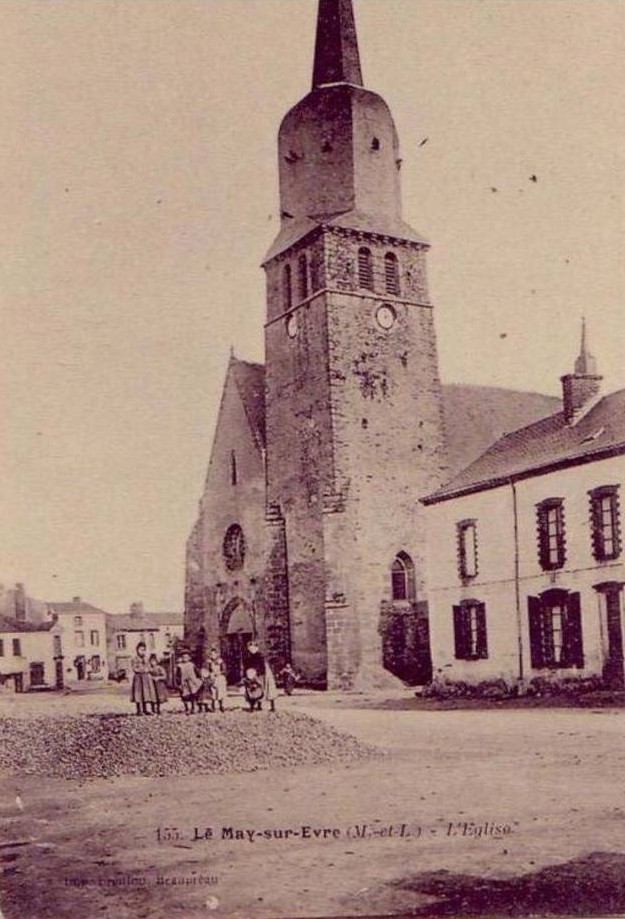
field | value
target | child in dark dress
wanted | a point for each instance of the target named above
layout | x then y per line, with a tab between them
143	691
159	676
188	681
253	687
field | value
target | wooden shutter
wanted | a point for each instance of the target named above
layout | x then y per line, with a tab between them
536	632
573	636
460	633
482	639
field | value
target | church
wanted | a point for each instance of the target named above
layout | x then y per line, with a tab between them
310	534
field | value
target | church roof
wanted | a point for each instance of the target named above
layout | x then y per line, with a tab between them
541	447
250	382
476	416
297	229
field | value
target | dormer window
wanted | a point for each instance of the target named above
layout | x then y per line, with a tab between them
391	273
365	269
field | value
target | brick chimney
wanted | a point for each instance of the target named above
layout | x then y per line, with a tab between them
136	609
581	386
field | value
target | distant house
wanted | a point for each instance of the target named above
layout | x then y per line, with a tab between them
526	562
83	635
159	631
30	654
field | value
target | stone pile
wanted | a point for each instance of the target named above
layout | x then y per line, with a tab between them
105	746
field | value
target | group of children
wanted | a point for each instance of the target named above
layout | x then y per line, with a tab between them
204	690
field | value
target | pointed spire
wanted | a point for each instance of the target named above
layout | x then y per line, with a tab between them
586	364
337	59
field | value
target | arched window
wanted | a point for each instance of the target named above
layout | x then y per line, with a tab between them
287	288
391	273
302	270
365	269
402	578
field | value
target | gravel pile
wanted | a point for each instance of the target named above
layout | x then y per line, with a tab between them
104	746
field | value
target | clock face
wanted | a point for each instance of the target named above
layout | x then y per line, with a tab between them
291	326
386	316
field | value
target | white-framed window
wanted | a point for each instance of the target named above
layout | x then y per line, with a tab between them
95	638
120	640
79	639
78	622
467	549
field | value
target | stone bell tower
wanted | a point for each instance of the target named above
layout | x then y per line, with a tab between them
353	397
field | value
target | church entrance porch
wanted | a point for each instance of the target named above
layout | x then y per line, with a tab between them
237	629
405	636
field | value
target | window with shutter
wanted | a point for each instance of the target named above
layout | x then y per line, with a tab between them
470	636
365	269
551	535
605	522
555	621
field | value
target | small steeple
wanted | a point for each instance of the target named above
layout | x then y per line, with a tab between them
586	364
337	59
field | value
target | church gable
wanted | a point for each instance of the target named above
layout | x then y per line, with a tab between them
238	444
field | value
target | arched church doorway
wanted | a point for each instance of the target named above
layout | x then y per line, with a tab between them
236	630
404	626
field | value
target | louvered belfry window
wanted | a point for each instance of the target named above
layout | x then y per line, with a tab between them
391	273
605	522
287	288
551	534
302	270
555	625
365	269
470	638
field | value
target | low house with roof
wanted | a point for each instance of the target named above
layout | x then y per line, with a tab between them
83	635
159	631
30	655
526	567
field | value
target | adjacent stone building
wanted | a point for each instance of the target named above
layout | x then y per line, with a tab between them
310	535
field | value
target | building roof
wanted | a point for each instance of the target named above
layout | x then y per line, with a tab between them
76	606
147	622
543	447
295	230
250	382
477	416
8	624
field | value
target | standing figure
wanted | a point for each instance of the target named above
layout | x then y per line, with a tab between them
143	692
255	660
219	687
289	679
159	676
204	696
253	688
188	682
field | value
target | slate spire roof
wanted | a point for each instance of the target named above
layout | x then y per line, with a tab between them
586	364
337	59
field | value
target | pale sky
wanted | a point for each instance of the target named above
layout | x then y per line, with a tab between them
138	183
